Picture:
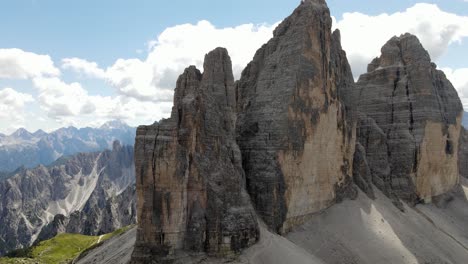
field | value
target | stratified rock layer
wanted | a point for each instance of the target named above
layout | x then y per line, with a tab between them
413	114
463	153
190	182
296	145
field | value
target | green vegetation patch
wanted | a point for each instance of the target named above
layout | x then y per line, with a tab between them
61	249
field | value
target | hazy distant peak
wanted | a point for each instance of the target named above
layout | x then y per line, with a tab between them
114	124
39	133
22	133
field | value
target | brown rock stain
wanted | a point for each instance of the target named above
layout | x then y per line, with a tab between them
437	172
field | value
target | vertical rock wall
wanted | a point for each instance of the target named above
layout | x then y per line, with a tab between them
418	111
296	144
190	181
296	133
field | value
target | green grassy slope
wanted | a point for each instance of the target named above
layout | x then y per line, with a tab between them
61	249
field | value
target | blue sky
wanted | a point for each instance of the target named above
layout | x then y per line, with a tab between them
105	31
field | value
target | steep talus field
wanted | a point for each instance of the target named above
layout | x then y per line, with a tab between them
356	231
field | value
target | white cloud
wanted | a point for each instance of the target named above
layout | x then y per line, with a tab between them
145	86
71	104
60	99
459	79
154	78
83	66
12	98
19	64
363	35
12	108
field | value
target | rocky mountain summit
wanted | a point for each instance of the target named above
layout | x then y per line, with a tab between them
26	149
409	124
190	182
297	145
88	193
294	137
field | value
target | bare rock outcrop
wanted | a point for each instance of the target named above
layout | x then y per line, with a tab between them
411	125
88	193
463	153
296	144
291	138
190	182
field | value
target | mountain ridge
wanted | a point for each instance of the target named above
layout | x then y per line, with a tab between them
310	139
87	193
23	148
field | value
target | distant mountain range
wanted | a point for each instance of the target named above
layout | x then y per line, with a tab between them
23	148
87	193
465	119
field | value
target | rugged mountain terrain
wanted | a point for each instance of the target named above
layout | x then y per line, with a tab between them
190	182
361	231
190	176
23	148
411	125
88	193
305	136
296	143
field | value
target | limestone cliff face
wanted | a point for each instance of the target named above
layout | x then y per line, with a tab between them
296	134
463	153
417	116
296	145
190	182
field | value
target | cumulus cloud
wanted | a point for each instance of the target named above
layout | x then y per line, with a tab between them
14	99
71	104
60	99
153	79
12	107
144	87
83	66
459	79
363	35
19	64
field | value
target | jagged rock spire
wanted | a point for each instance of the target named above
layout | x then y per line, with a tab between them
287	105
190	180
418	111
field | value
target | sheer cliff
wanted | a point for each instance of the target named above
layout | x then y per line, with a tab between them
292	138
190	181
296	143
412	123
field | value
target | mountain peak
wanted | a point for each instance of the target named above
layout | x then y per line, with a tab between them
401	51
321	2
39	133
114	124
22	133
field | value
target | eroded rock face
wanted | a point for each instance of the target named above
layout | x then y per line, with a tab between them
190	181
463	153
414	115
88	193
296	144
